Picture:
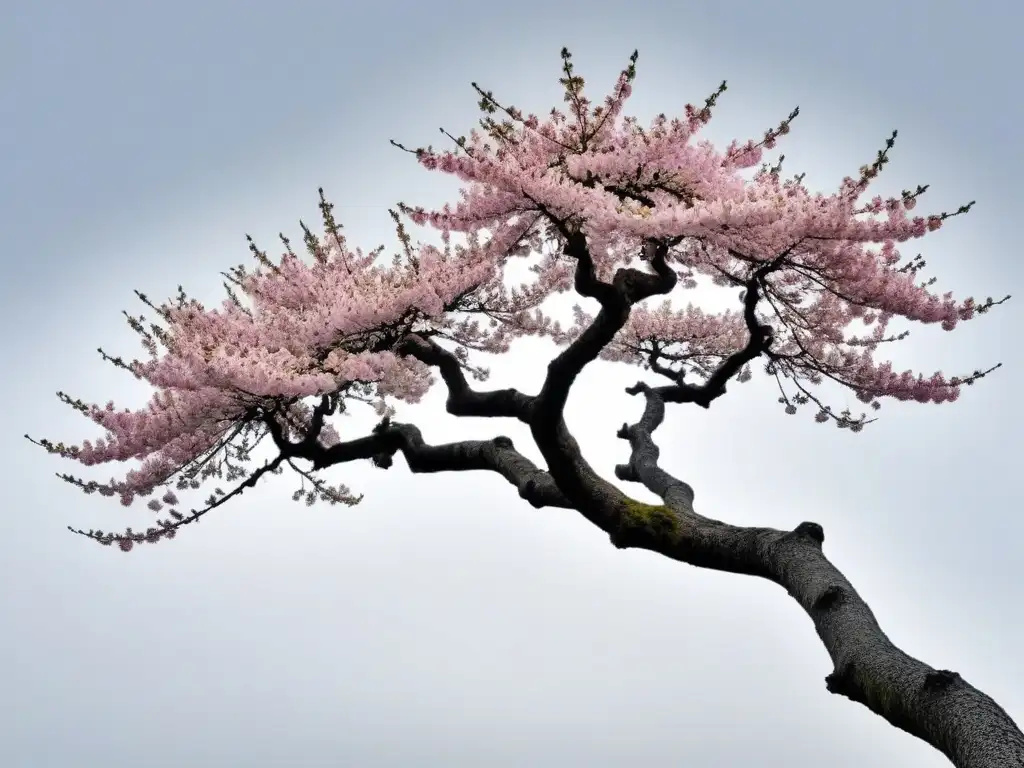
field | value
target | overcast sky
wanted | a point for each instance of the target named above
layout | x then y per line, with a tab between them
444	622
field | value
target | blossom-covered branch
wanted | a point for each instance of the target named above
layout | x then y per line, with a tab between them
599	179
388	438
759	342
587	200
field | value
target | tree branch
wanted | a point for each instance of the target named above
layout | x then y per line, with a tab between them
628	287
388	438
759	342
643	463
592	494
463	400
935	705
585	279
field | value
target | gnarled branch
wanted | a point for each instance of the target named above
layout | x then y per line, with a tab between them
617	299
463	400
759	342
643	463
388	438
574	475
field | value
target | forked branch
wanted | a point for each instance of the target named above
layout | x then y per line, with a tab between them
628	287
759	342
577	479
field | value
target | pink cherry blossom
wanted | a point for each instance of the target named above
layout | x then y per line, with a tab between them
335	325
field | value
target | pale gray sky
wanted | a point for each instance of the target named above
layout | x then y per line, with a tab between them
445	622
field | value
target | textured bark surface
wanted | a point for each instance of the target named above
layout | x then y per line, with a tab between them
935	705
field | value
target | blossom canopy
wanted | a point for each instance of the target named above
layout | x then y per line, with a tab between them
635	216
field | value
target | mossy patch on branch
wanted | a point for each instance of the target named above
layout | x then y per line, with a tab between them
648	521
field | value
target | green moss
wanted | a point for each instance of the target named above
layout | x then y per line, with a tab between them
647	521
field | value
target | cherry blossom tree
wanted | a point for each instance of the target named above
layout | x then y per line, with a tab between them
631	217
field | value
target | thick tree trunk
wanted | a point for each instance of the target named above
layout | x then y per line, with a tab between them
937	706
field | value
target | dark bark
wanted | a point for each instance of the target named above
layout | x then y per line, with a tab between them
463	400
496	455
935	705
